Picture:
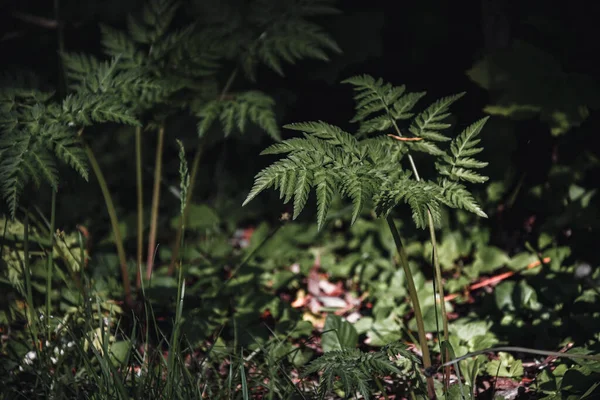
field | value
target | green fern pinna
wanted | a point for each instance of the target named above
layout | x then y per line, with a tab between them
366	167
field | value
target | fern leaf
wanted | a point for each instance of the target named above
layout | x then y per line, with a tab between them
422	199
287	186
117	44
263	180
325	186
357	190
254	106
208	114
293	40
13	178
289	146
456	195
468	162
429	121
330	133
402	107
44	163
424	146
465	175
67	148
374	96
380	123
460	166
159	14
465	143
302	191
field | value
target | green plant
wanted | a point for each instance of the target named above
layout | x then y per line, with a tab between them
369	171
153	72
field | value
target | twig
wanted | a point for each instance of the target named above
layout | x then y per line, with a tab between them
496	279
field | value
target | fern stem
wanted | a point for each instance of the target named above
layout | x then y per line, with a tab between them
140	205
414	298
155	201
193	174
436	261
110	207
440	289
50	264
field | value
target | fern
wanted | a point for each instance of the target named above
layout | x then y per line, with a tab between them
375	96
35	132
281	33
154	69
235	111
460	166
353	368
366	170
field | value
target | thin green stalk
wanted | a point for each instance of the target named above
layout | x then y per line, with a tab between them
175	337
440	290
140	205
50	265
114	222
193	175
27	278
185	216
414	298
30	312
155	202
436	261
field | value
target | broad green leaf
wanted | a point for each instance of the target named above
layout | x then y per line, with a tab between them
338	334
489	258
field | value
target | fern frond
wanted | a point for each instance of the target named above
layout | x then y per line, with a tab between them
253	106
374	96
13	176
465	143
156	17
291	41
67	147
358	188
270	177
329	133
430	121
335	162
325	186
427	147
460	166
86	109
280	33
302	190
421	196
455	195
78	67
117	43
353	368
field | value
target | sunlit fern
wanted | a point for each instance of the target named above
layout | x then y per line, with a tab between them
368	170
